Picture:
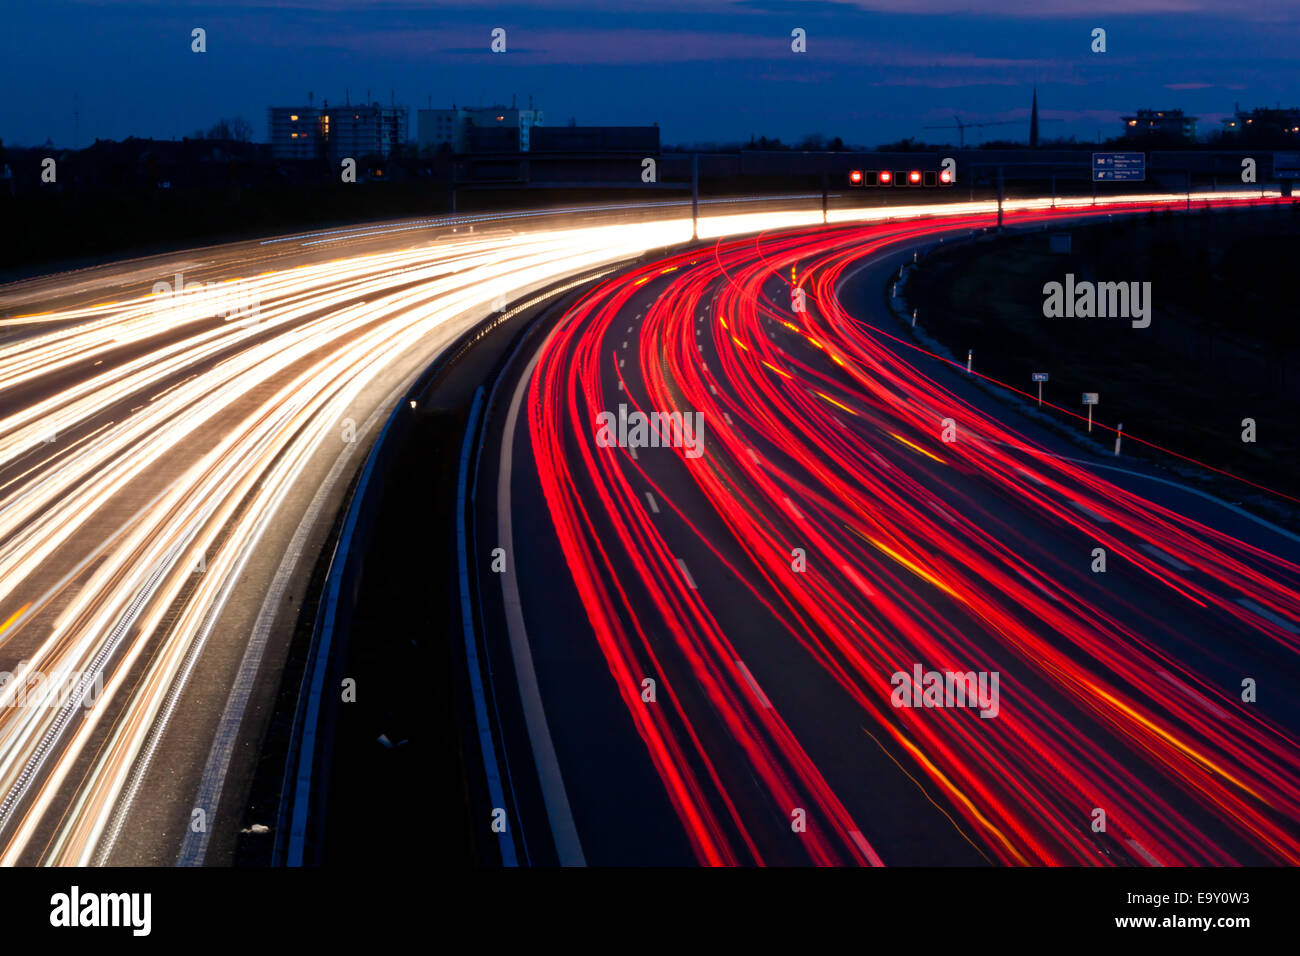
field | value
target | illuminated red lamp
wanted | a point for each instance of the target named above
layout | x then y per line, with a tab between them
855	177
914	177
945	177
886	177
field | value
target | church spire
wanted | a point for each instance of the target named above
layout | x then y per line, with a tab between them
1033	122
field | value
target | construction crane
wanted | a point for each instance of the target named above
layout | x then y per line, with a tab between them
961	127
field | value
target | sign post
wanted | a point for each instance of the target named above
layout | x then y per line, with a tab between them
1040	378
1090	399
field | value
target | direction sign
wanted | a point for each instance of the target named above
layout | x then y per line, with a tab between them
1286	165
1119	167
1091	398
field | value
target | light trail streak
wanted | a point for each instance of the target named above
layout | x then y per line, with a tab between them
909	561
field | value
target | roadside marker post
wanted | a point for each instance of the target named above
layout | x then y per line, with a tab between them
1040	378
970	354
1090	399
1119	434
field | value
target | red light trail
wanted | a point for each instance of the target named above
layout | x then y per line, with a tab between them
823	437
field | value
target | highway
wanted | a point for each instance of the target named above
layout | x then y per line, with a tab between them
170	428
698	641
176	435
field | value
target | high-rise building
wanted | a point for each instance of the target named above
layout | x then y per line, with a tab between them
295	132
335	133
1264	124
1160	124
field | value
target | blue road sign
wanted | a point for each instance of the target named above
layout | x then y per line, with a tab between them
1119	167
1040	377
1286	165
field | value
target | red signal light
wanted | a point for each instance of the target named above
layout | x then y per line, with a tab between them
914	177
945	177
855	177
886	177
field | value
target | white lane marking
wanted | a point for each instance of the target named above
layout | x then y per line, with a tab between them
620	363
686	573
625	343
654	505
753	684
1168	559
1100	519
727	418
943	513
563	829
857	580
1269	615
632	451
795	511
713	388
752	455
1198	698
865	847
620	385
1144	853
1031	476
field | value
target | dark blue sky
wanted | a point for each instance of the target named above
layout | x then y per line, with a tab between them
705	70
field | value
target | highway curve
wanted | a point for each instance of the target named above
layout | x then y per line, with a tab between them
769	735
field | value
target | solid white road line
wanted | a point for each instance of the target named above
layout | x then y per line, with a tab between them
563	829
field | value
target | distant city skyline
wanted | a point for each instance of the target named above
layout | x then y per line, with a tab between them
708	71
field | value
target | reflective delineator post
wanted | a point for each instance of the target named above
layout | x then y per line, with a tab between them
970	354
1119	434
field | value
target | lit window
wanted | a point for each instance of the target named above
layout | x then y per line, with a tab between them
294	117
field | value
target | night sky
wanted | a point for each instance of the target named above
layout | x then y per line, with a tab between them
706	71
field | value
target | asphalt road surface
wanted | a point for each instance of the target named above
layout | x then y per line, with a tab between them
708	643
175	436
